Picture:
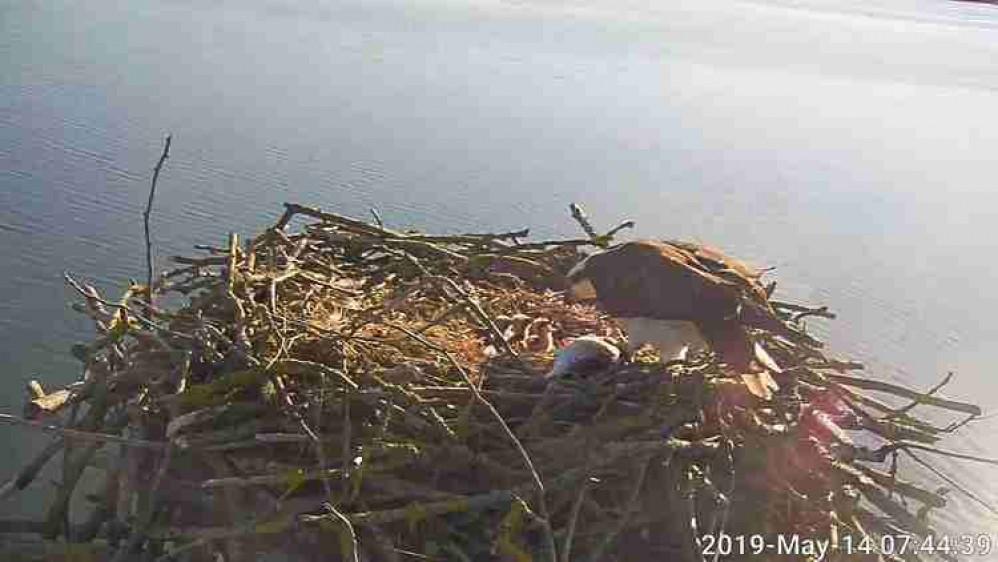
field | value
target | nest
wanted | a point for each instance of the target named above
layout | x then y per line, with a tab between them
349	392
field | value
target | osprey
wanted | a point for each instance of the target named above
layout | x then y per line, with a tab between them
683	298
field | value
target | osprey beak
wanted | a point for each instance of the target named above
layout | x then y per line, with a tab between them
582	290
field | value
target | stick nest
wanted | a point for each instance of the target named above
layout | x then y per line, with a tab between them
348	392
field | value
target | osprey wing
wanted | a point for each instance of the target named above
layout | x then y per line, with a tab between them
755	309
641	279
715	262
674	285
681	281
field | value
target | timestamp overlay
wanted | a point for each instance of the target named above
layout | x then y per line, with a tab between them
818	548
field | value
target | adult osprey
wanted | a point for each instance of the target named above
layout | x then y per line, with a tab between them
682	298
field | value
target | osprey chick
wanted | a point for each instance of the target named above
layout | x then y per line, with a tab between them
683	298
586	355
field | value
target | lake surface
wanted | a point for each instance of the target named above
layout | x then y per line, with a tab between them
853	145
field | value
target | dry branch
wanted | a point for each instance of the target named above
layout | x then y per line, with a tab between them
147	214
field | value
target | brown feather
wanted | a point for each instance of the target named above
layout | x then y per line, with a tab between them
682	281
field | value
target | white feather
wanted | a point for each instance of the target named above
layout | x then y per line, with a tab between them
674	339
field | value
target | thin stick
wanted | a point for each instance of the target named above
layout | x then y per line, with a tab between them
803	311
352	225
613	231
906	445
321	452
267	479
902	487
952	482
91	297
917	401
632	502
903	392
579	214
573	520
346	448
280	520
345	521
28	474
139	535
148	213
83	435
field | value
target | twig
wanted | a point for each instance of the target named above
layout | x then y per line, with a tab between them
903	392
148	213
952	482
359	227
268	479
83	435
724	497
801	310
907	445
624	225
859	398
902	487
93	299
243	348
887	429
279	523
904	410
21	550
693	534
323	370
30	471
610	538
547	244
206	261
770	288
346	447
837	365
139	534
345	521
469	503
579	214
476	239
573	519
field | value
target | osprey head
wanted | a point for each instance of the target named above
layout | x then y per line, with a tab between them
609	273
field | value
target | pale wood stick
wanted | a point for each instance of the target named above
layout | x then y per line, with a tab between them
898	390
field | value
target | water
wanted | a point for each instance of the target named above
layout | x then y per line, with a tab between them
850	145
